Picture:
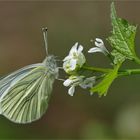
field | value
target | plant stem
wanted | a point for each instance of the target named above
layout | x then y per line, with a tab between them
96	69
128	72
125	72
137	60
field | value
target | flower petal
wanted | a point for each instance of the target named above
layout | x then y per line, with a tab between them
99	40
95	49
73	64
81	60
65	65
73	49
71	90
80	49
67	82
67	58
100	45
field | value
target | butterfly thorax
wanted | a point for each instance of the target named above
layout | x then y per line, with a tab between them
51	65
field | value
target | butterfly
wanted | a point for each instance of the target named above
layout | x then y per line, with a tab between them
25	93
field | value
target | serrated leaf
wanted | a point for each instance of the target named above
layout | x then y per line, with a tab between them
123	35
118	57
104	85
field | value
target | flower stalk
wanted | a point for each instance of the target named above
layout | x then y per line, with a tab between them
96	69
125	72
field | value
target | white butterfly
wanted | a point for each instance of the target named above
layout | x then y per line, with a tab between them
25	93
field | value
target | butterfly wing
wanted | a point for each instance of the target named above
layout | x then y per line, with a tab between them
8	81
24	94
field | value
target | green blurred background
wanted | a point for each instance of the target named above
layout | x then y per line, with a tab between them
116	116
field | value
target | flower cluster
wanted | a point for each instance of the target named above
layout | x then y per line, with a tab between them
100	47
81	81
75	62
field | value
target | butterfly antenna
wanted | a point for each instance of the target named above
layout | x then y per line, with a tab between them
45	38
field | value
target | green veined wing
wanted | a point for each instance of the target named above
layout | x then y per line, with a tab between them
25	94
7	81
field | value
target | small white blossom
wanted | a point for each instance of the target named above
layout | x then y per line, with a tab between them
67	82
72	82
100	47
71	90
81	81
75	59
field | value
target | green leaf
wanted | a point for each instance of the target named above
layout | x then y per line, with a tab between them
122	38
118	57
104	85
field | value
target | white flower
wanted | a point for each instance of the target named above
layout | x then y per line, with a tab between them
100	47
72	82
71	90
75	59
81	81
67	82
